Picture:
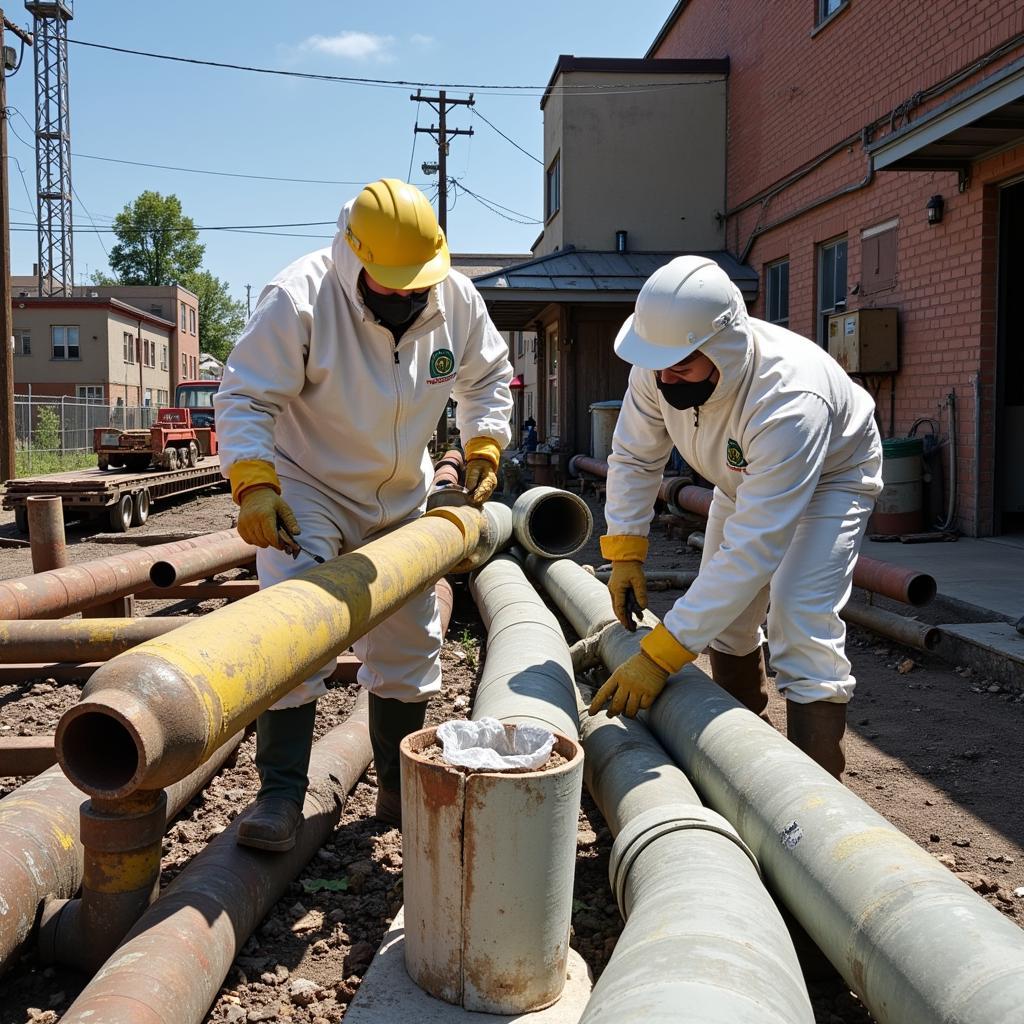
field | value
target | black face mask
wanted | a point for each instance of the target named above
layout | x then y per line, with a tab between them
686	394
396	312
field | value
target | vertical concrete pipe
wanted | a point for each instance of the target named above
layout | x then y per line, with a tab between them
79	640
149	716
46	531
550	522
40	847
172	964
59	592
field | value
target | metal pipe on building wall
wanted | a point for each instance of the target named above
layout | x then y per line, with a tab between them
172	964
200	563
40	848
46	531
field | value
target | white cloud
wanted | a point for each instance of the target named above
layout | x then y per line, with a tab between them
418	39
352	46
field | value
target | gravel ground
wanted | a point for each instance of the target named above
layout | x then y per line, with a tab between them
931	747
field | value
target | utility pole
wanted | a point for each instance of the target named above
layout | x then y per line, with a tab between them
7	462
248	301
441	134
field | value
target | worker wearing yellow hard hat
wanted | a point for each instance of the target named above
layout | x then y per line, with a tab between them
328	402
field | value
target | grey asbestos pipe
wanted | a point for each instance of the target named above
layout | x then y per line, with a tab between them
551	522
915	943
527	676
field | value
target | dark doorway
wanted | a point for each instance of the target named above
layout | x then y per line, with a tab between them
1009	453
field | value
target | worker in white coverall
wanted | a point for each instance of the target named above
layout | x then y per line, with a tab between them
791	445
327	405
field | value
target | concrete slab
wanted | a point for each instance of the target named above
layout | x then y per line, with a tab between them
388	995
995	648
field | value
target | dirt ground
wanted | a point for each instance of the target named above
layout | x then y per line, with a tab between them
932	747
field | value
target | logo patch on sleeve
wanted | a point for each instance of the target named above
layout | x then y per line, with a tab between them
734	456
442	366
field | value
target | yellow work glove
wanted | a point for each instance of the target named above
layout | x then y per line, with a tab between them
482	457
262	512
627	554
636	683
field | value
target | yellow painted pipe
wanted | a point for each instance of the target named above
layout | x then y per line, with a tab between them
78	640
151	715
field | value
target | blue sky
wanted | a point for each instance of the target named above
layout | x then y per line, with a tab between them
136	108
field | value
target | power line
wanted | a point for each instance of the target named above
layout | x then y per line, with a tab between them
507	139
497	208
99	237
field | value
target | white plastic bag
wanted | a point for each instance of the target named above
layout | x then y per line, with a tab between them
486	744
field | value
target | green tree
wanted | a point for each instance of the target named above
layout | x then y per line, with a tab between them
221	318
157	244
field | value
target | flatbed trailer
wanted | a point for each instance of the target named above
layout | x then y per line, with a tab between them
122	497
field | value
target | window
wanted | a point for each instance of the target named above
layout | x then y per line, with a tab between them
520	344
90	392
552	373
129	347
878	258
64	341
156	310
22	342
831	284
161	398
195	369
182	324
184	366
149	398
776	297
163	357
826	8
552	191
191	320
529	405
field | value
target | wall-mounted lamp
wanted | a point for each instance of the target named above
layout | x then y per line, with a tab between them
935	207
621	241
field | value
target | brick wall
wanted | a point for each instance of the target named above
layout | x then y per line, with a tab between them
794	95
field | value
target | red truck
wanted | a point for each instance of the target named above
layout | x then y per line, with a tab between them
182	435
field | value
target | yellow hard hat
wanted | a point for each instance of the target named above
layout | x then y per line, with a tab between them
393	231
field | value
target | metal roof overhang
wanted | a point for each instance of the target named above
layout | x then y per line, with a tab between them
978	122
523	306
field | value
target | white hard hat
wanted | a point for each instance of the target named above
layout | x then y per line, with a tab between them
680	307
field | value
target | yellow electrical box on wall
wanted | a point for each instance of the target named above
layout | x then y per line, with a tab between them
864	340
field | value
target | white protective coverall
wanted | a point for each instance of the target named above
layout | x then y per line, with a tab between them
317	387
791	445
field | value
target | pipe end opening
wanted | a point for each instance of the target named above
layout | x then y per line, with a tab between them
98	753
921	589
162	574
560	524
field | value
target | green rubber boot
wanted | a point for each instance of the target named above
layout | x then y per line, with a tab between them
390	722
283	742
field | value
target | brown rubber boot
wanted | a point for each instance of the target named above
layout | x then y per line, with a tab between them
743	676
817	729
390	722
270	825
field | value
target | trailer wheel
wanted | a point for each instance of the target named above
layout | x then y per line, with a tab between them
140	507
21	518
192	455
103	461
120	514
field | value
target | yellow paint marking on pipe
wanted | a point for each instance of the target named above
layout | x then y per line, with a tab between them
871	838
66	840
114	873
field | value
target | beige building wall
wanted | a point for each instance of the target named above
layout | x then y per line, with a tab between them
650	162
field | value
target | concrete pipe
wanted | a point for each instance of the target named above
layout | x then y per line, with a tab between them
701	930
673	580
488	864
26	755
149	716
581	598
527	675
201	563
79	640
46	531
172	964
40	850
495	534
59	592
551	522
922	636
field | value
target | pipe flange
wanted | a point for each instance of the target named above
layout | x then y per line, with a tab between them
648	827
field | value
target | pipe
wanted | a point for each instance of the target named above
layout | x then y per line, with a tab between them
920	635
527	675
496	532
701	931
26	755
950	519
581	598
667	492
449	469
696	540
149	716
46	531
674	580
201	563
977	454
551	522
172	964
41	854
79	640
876	904
59	592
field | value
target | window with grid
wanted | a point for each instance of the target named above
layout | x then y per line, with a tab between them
520	344
184	366
22	342
553	188
191	320
776	293
831	284
64	342
129	347
90	392
826	8
183	308
551	348
163	357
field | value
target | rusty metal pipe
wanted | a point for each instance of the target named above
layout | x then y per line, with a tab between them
149	716
201	563
40	850
922	636
448	469
59	592
670	487
26	755
172	964
46	531
79	640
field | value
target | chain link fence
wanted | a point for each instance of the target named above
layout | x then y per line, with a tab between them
54	432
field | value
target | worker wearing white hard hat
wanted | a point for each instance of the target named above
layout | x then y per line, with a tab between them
327	405
791	445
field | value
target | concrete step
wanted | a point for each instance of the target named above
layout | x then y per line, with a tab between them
994	649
